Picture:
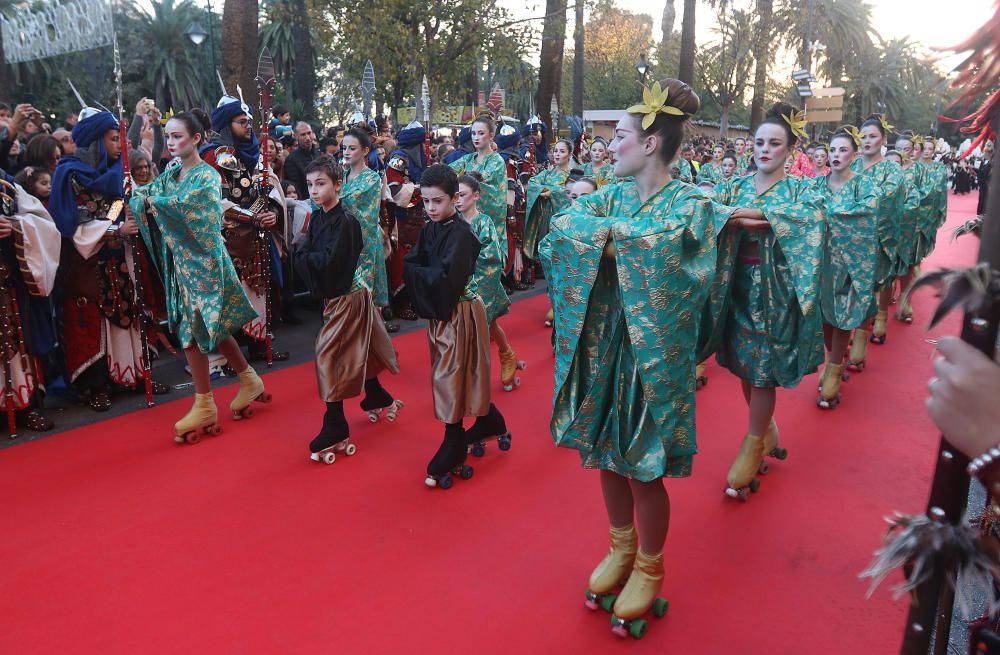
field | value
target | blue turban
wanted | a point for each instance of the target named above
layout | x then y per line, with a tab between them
92	128
508	141
248	149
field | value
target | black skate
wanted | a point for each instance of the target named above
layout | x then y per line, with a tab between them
378	400
449	459
487	428
333	438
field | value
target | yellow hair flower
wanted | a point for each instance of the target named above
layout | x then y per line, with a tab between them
797	122
885	124
654	101
917	140
855	134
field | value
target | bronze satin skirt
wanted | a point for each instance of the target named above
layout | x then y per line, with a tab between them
352	347
460	363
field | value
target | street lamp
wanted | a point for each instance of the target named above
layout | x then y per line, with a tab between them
196	33
642	67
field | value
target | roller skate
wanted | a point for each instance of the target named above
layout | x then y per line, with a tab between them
700	379
550	316
771	448
750	461
334	437
251	389
378	400
859	351
200	420
509	366
613	569
449	459
829	393
486	428
640	596
905	312
878	328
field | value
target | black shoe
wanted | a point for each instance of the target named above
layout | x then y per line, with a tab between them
487	427
376	397
335	428
451	454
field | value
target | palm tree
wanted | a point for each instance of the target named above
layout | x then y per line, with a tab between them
239	46
685	67
843	27
762	57
171	68
882	77
288	37
725	68
550	69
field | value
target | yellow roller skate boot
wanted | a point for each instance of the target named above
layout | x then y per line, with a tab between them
613	569
859	351
549	317
747	464
878	328
251	389
829	394
200	419
509	366
639	596
771	448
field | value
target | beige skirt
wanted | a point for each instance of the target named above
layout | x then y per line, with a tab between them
460	363
352	347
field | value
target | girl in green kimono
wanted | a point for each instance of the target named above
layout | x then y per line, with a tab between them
545	197
628	269
712	171
491	166
887	177
915	190
180	218
934	209
599	168
489	270
362	196
851	249
765	300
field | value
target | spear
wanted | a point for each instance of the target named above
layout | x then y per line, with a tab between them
368	89
265	84
425	99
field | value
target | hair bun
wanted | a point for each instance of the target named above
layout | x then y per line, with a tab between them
681	96
203	118
781	109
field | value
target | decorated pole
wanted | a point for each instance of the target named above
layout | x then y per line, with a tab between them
265	85
425	99
367	90
138	305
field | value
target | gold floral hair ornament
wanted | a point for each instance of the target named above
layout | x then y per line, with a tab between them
885	124
854	133
917	140
654	101
797	121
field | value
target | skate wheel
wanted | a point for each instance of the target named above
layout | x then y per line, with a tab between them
763	468
660	607
754	485
779	453
373	417
517	381
328	457
503	443
213	430
430	482
857	367
522	365
350	449
192	437
478	449
179	438
241	414
618	627
700	382
465	471
263	398
637	628
608	602
508	387
589	604
732	493
445	482
548	324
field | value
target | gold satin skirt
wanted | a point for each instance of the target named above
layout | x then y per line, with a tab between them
460	363
352	347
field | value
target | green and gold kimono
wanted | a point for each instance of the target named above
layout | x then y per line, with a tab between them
850	251
933	208
686	171
602	175
743	164
489	268
887	178
710	172
909	217
183	232
765	317
493	191
626	326
539	211
362	196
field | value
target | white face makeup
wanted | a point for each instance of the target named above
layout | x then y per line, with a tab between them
871	141
481	136
352	150
629	147
842	153
179	142
467	199
770	147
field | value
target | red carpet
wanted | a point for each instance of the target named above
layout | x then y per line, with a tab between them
117	541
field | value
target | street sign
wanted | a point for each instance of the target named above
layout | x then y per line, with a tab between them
829	91
825	116
824	102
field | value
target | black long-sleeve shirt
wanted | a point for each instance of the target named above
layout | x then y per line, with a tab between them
295	169
438	268
328	255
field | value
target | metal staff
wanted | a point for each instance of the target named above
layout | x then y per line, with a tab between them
367	89
138	305
265	84
425	99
